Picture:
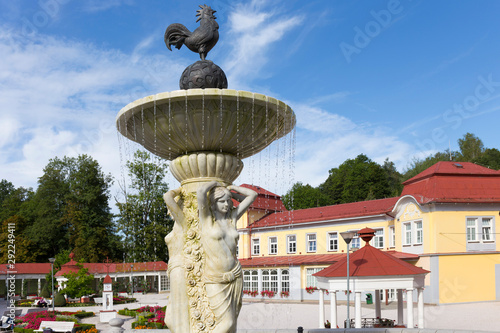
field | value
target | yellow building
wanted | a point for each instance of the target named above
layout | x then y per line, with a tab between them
445	221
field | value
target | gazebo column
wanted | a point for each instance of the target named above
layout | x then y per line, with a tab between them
378	313
321	309
400	307
409	304
159	282
333	308
39	287
357	310
420	309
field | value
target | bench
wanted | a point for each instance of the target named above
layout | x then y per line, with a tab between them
57	326
98	300
17	312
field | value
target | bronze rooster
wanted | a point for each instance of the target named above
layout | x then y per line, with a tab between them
201	40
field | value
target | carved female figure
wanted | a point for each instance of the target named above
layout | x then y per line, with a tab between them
219	238
177	312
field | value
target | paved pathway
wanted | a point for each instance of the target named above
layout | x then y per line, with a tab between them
271	314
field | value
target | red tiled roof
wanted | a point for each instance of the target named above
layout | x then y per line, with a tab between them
101	268
292	260
369	261
27	268
265	200
311	259
454	182
354	209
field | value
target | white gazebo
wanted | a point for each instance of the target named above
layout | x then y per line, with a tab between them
373	270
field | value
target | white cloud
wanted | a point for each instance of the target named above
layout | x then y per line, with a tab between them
325	140
252	30
60	97
99	5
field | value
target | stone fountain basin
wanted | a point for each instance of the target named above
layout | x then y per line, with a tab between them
177	123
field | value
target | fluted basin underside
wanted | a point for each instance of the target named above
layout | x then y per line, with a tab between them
177	123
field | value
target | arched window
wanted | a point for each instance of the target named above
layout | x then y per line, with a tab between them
285	280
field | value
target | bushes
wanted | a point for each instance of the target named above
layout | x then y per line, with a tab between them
45	293
59	300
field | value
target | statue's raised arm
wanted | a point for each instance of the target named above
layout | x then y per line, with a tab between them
250	196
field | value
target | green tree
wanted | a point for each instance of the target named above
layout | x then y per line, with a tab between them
302	196
79	284
70	210
143	217
490	158
12	205
471	147
393	177
357	180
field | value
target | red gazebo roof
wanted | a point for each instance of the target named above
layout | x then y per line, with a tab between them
369	261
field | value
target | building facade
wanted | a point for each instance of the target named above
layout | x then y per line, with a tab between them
445	221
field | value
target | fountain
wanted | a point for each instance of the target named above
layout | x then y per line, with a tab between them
205	130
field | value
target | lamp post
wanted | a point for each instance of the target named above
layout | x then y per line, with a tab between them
348	236
52	260
132	279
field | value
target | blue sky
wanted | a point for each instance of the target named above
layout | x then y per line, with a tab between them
397	79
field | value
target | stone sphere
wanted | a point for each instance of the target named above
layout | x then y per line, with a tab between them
203	74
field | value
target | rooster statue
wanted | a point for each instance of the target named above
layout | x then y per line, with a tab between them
201	40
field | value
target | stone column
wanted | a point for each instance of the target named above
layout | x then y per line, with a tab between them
409	304
357	310
420	309
333	308
377	304
400	307
321	309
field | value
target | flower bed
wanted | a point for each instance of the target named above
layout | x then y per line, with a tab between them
123	300
148	317
311	290
252	293
31	321
268	293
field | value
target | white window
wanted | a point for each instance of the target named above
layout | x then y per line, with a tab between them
311	242
378	240
419	233
255	246
274	280
392	236
333	241
413	233
486	229
266	279
355	242
273	245
285	280
407	233
164	283
251	280
479	229
247	280
237	250
291	241
255	281
310	279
